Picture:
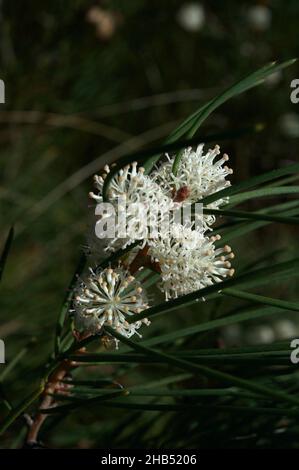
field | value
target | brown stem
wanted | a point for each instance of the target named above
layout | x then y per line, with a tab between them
139	260
143	259
47	400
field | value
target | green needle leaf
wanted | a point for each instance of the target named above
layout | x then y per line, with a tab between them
6	250
191	124
261	299
252	216
205	371
66	304
257	277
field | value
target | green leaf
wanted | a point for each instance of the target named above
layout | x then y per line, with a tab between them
192	123
187	406
16	412
257	277
205	371
252	216
251	313
240	229
84	402
261	299
94	383
211	392
250	183
4	400
264	192
170	406
203	357
6	250
66	304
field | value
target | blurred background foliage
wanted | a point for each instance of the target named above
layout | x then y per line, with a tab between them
87	82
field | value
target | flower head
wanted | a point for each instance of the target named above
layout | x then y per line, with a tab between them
136	195
198	175
189	260
109	297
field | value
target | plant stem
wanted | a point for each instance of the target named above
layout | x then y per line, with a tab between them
47	400
142	259
53	384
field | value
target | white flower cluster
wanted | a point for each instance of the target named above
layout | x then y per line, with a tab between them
184	254
109	298
189	261
199	173
128	188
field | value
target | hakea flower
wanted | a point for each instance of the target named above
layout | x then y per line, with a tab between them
188	260
198	175
109	297
135	194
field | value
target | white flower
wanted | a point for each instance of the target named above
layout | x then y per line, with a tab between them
198	175
137	195
109	297
189	260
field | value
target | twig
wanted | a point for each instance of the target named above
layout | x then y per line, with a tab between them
54	384
142	259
